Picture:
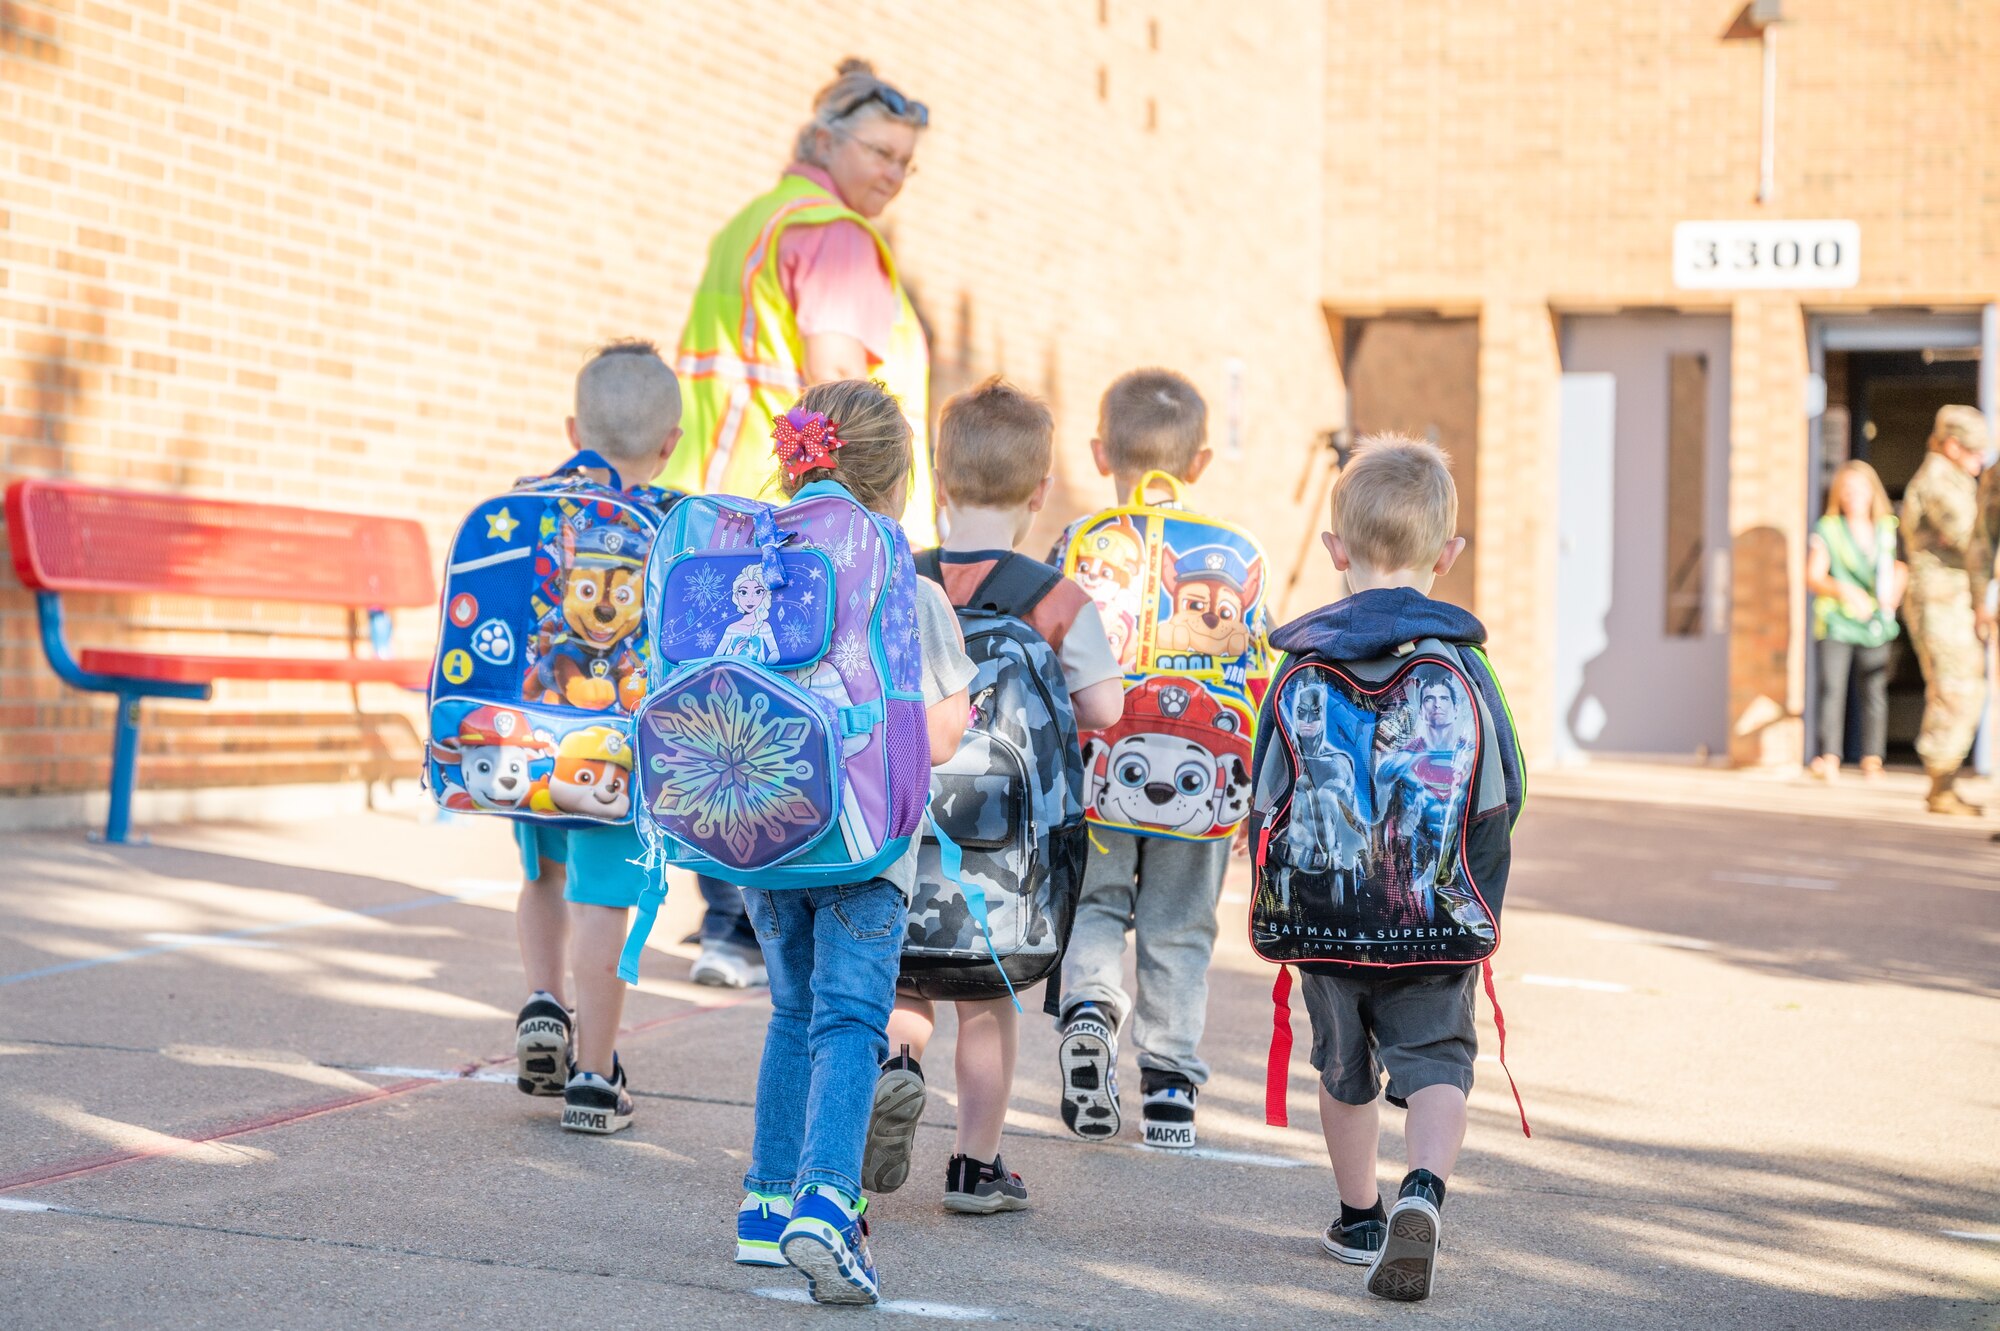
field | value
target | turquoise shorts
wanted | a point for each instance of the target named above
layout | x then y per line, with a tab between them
597	861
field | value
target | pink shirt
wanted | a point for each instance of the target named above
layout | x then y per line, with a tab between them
832	274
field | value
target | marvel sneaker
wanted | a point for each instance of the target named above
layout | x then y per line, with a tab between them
1356	1241
541	1045
1088	1057
727	967
1407	1265
1168	1110
596	1104
760	1220
892	1125
973	1187
827	1240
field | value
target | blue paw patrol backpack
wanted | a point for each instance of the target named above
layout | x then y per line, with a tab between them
783	743
538	664
1011	801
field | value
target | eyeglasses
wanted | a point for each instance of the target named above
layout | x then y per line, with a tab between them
892	101
903	165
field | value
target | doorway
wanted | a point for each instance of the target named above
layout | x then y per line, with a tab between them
1642	563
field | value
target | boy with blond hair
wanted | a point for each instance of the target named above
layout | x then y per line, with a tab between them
995	445
1164	890
1395	514
580	883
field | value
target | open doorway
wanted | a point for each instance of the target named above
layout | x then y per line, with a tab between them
1886	375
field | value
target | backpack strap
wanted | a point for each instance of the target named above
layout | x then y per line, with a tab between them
951	863
1015	585
1278	1067
590	457
930	564
1500	1025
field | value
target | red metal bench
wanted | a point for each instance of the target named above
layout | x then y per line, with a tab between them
78	538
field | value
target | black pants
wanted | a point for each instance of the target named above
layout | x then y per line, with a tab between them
1870	668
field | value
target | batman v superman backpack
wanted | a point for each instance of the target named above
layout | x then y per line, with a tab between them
538	664
1010	798
1381	820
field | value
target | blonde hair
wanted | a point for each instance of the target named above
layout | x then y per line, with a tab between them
1878	506
627	402
994	445
874	452
1152	420
1395	506
1964	424
848	99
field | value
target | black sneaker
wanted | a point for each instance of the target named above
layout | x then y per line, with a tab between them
892	1125
1168	1111
1407	1265
596	1105
1088	1057
1356	1242
542	1045
973	1187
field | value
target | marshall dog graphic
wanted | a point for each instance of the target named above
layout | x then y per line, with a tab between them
1176	762
1211	586
582	649
490	755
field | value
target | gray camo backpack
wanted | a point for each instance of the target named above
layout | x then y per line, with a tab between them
1011	797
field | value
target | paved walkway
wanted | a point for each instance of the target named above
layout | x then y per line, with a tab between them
254	1076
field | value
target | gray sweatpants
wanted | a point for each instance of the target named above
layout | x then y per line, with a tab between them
1165	892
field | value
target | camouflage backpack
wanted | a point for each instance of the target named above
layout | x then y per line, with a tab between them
1012	799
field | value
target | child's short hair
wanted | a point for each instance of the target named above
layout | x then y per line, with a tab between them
994	445
1152	420
627	400
1395	506
874	450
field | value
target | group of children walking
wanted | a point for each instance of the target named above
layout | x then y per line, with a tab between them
841	1086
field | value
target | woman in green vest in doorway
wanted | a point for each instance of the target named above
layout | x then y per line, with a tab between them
1857	582
801	289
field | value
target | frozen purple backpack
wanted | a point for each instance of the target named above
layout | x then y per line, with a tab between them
784	744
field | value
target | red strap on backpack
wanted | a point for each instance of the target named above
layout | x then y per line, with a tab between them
1278	1067
1500	1025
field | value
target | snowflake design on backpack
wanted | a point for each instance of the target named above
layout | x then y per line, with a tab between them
849	655
794	634
843	551
705	587
731	769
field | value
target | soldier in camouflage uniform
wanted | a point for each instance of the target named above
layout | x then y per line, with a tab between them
1939	519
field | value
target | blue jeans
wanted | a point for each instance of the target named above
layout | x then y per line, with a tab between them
724	921
832	953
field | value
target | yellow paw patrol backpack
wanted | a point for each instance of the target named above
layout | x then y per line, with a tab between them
538	665
1181	597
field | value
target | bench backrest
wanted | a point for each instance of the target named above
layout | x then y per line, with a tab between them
67	537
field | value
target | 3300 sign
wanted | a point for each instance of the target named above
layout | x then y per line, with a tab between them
1737	255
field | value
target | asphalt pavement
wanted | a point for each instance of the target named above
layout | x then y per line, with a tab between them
257	1076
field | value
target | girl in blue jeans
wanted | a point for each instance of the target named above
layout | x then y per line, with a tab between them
832	952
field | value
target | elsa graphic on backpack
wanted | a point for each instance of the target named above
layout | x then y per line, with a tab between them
750	636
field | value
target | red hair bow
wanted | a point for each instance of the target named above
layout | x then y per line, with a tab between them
803	440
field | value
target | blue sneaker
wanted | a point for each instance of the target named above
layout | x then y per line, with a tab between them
829	1243
759	1222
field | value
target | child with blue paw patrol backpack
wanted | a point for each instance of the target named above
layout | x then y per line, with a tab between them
580	881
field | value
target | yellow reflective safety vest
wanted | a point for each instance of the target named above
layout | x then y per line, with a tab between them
742	360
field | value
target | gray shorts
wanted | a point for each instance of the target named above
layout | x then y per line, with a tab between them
1419	1030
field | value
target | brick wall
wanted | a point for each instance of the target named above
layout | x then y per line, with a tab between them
350	254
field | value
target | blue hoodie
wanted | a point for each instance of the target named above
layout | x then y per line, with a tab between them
1374	623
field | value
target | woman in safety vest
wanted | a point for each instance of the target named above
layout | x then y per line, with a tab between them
801	289
1857	583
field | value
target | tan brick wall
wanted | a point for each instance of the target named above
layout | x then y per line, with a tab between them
350	254
1518	158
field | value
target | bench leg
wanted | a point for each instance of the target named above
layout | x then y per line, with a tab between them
124	771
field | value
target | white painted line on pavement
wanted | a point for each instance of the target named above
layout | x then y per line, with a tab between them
475	889
431	1074
1567	982
1776	880
1224	1157
1969	1234
208	940
23	1204
949	1312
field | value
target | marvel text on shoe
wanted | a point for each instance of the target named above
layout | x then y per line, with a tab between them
1167	1112
541	1047
597	1106
1089	1063
1406	1267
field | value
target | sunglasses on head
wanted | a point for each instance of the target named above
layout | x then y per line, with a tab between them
893	102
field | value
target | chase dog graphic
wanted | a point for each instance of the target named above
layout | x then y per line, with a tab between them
1369	844
582	652
1212	589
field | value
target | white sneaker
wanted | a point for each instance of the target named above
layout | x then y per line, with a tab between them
727	967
